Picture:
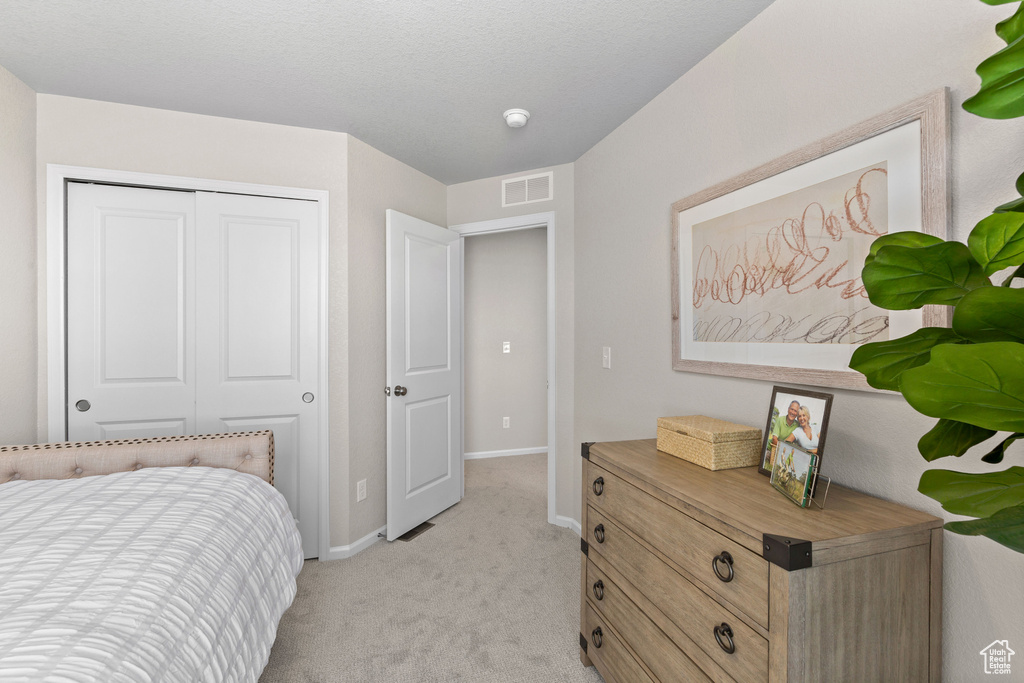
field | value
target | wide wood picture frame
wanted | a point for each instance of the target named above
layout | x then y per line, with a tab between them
915	133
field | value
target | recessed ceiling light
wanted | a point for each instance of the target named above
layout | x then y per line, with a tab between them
516	118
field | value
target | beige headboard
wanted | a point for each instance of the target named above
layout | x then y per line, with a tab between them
248	452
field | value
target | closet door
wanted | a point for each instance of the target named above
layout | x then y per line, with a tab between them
257	322
130	299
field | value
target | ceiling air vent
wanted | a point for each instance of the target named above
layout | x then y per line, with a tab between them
526	189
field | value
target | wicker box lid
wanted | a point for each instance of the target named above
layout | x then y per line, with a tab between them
709	429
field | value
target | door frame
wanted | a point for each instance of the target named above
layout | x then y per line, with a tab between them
514	223
57	178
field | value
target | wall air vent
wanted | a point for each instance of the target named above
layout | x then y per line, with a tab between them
527	189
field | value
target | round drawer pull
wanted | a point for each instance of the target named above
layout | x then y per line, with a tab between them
723	634
599	533
723	558
598	486
595	637
599	589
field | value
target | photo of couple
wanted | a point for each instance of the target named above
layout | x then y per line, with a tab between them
796	417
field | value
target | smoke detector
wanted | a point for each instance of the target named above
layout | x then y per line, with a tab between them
516	118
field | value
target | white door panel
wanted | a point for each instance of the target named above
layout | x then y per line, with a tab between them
196	313
424	468
258	322
130	294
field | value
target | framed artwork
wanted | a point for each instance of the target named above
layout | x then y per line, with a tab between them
795	416
766	266
793	473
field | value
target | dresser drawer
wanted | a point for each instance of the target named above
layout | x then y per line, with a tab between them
684	603
685	541
666	661
612	659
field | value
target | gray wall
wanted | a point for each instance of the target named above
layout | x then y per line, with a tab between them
480	200
506	300
18	272
376	182
801	70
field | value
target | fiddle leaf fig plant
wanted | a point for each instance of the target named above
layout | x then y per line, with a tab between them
970	376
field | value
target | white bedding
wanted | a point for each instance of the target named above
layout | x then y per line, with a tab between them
162	574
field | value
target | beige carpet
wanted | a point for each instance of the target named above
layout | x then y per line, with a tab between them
490	594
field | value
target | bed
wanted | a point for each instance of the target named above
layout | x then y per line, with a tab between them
175	565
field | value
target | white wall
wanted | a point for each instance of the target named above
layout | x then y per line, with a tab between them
18	269
480	200
506	300
801	70
115	136
376	182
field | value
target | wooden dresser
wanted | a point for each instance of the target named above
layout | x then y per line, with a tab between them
694	575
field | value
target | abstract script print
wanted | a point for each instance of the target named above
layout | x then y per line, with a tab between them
787	270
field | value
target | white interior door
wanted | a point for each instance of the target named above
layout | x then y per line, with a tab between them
257	268
424	372
197	313
130	294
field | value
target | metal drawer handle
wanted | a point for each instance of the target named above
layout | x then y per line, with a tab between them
726	559
595	637
598	486
599	533
724	632
599	589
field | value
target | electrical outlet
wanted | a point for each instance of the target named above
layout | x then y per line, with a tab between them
504	422
506	347
360	490
606	357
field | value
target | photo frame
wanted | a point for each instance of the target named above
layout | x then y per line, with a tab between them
794	473
785	423
768	263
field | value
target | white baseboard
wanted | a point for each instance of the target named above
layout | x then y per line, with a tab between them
479	455
340	552
569	523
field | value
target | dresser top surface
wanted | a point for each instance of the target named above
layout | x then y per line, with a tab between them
745	500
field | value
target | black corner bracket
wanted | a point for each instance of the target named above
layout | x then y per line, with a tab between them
789	553
584	548
585	449
583	642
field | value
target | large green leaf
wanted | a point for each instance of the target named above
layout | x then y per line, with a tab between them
981	384
995	455
997	241
949	437
999	2
974	495
904	238
1012	28
881	363
1019	273
900	277
1002	84
1005	526
1014	205
990	314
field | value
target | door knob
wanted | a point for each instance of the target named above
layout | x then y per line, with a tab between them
82	406
400	390
307	397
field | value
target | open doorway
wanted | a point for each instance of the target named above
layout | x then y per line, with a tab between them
505	359
529	241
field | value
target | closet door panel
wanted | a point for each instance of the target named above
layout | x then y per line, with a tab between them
257	323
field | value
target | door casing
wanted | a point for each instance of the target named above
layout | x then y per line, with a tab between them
527	222
57	177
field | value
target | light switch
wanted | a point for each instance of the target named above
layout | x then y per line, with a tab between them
506	347
606	357
504	422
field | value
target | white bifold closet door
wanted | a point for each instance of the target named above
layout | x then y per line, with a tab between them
197	313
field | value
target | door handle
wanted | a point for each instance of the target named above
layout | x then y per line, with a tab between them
82	406
307	397
400	390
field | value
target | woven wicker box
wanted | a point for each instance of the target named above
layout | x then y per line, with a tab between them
711	443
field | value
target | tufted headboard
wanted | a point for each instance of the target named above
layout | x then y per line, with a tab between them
248	452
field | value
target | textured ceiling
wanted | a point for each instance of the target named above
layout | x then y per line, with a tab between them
425	81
